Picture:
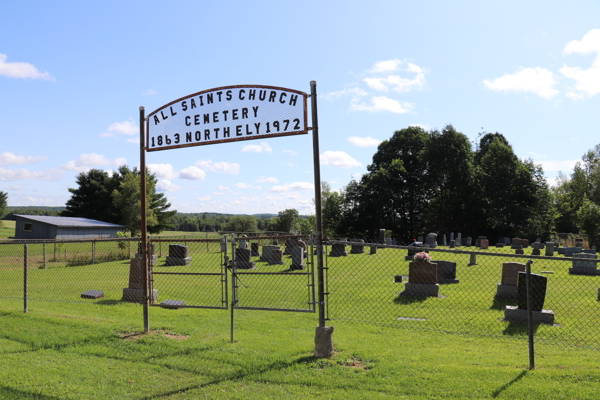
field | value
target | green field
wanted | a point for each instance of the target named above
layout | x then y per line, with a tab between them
66	347
7	229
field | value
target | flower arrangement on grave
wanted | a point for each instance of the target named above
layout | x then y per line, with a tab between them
422	257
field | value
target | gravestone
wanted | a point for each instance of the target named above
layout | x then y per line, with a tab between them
277	257
388	240
473	259
549	249
138	255
444	243
452	244
420	239
458	240
569	251
507	241
579	242
519	251
516	244
243	259
446	272
525	243
589	251
500	244
244	243
484	244
134	293
537	245
537	284
178	255
373	249
431	240
583	267
338	250
382	236
561	250
422	280
468	243
173	304
254	249
267	254
451	236
92	294
535	252
357	248
507	288
297	258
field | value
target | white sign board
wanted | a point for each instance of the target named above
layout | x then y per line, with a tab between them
227	114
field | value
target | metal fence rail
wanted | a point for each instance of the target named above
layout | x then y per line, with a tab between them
472	296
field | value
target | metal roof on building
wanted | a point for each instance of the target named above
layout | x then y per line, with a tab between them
70	221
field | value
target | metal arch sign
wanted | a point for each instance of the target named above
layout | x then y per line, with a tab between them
227	114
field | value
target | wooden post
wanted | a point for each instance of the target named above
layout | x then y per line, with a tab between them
44	249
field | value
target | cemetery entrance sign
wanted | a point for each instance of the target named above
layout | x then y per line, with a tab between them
227	114
231	114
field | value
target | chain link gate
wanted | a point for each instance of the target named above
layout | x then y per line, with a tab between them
278	279
189	273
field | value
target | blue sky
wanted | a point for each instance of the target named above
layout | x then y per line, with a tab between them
74	74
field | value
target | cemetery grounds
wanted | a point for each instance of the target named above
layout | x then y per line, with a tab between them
386	346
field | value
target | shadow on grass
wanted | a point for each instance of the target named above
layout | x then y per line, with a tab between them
12	393
499	304
108	302
518	329
502	388
409	298
274	366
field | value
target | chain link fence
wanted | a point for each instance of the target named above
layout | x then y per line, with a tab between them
470	291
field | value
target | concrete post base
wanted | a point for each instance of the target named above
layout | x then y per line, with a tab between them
323	343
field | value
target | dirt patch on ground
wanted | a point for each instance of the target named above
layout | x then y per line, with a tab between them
160	332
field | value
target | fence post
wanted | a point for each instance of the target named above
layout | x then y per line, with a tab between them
55	250
129	247
25	279
233	291
44	249
530	316
93	252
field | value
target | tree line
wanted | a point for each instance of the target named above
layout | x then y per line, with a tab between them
421	182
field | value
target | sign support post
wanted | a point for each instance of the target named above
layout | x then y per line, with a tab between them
143	217
323	342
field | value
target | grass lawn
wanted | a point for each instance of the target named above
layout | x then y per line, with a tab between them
71	348
7	229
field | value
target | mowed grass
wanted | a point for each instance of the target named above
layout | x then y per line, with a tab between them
7	229
78	349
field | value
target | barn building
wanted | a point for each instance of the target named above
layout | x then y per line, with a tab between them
43	227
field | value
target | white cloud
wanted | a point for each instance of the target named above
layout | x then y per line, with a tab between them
23	173
166	185
376	84
290	152
293	186
204	198
242	185
21	70
258	148
86	161
270	179
192	173
564	165
364	142
224	166
386	66
587	81
339	159
218	193
590	43
354	92
164	171
396	83
531	80
149	92
8	158
221	187
382	103
124	128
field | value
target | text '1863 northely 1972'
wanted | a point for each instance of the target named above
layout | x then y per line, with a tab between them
227	114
